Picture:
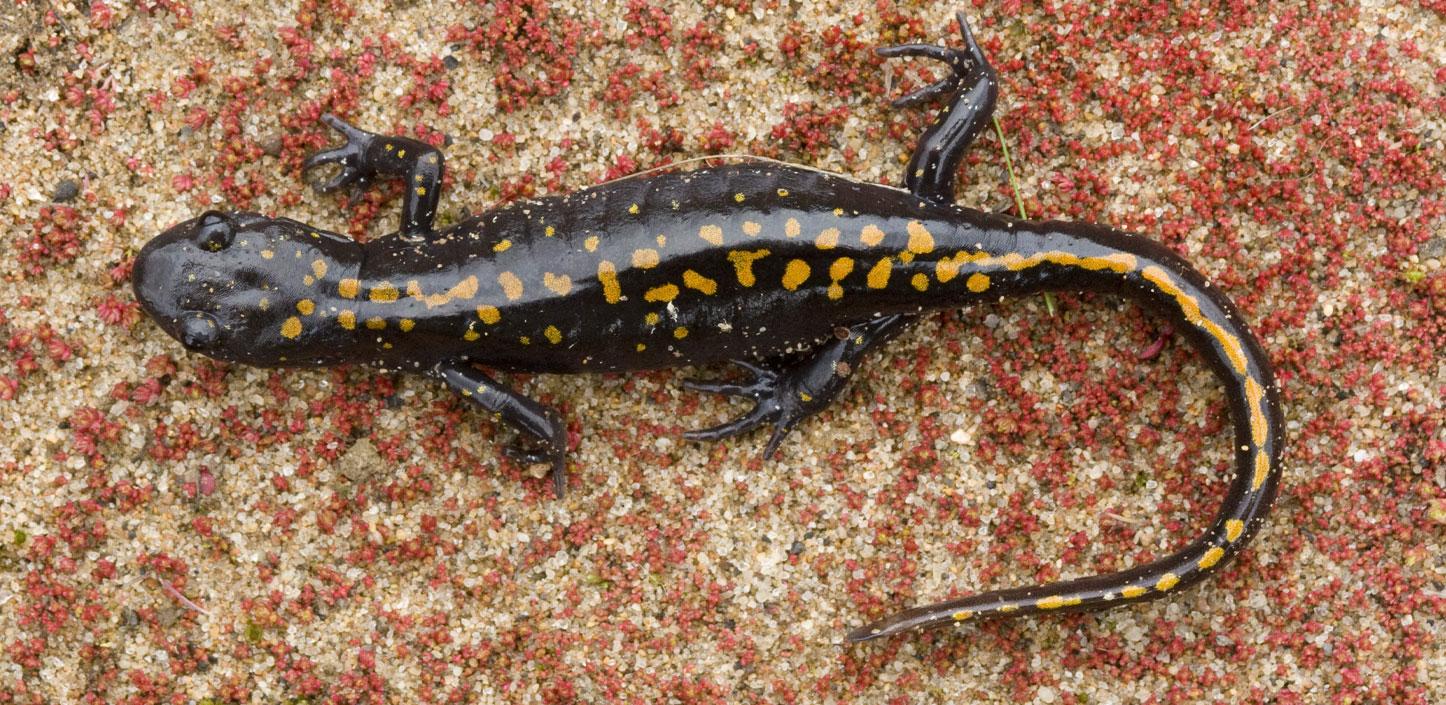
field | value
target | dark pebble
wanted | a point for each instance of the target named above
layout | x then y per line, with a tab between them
65	191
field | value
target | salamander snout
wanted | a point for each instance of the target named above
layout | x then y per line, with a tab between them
242	287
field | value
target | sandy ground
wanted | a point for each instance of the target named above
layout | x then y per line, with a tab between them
177	531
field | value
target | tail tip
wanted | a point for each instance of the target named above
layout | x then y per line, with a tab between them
876	630
865	633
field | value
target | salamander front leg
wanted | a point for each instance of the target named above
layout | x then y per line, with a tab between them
787	396
518	411
367	155
972	87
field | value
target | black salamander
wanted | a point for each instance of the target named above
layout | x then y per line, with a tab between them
789	273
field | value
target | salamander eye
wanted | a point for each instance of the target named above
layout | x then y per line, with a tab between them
199	331
214	232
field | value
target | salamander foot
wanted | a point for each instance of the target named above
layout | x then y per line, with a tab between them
368	155
971	88
351	156
774	402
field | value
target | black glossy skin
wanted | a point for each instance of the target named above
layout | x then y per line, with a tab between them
650	272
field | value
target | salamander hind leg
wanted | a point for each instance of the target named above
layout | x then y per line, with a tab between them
368	155
784	397
518	411
972	87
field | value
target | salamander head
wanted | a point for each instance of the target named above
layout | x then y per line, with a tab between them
242	287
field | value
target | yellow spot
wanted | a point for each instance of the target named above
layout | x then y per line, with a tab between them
308	280
390	147
1190	307
645	259
906	257
712	233
525	340
920	241
346	319
738	197
1009	608
948	268
962	615
267	254
305	307
553	335
502	245
837	212
1054	602
1211	557
471	335
680	332
783	193
348	288
1262	470
375	323
1231	344
590	244
1233	529
607	273
384	293
489	314
1254	393
1120	262
977	282
559	284
641	347
792	228
840	268
664	293
879	275
264	303
633	209
743	264
401	153
421	190
511	285
1133	591
465	289
406	324
549	231
652	318
795	274
694	280
291	327
751	229
318	267
1166	582
920	281
872	235
828	239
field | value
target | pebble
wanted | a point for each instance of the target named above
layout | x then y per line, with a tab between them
65	191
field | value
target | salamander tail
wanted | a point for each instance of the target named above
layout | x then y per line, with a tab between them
1102	259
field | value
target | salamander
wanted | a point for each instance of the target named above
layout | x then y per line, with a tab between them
787	272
